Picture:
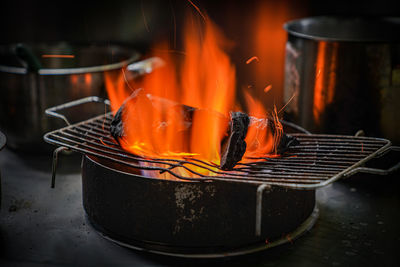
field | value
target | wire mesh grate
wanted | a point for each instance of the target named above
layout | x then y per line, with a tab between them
317	161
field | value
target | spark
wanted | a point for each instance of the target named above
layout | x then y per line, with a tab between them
101	140
198	10
266	89
287	103
58	56
252	59
126	81
278	129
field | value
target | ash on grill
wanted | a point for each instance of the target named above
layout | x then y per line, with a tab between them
233	146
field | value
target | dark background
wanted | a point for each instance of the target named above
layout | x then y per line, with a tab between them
122	20
141	23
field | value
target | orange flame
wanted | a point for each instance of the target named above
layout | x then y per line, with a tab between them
261	140
205	80
158	122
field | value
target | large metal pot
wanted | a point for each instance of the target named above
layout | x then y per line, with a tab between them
26	92
343	75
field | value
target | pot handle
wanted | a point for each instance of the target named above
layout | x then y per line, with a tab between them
378	171
53	111
145	66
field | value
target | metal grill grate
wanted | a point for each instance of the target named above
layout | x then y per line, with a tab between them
317	161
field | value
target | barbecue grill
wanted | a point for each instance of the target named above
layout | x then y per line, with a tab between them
261	202
317	161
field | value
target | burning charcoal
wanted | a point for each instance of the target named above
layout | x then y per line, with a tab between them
116	126
118	129
234	146
286	142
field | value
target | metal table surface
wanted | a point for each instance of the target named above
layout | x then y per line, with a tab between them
358	224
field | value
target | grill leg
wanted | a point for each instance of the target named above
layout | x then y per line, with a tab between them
54	166
259	197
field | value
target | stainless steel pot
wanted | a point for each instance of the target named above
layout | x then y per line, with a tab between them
26	91
343	75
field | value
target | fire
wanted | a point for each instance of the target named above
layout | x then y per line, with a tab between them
260	139
161	124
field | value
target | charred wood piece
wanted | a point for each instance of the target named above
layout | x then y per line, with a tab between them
234	146
286	142
116	126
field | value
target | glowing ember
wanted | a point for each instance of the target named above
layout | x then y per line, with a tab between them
267	89
197	9
159	124
252	59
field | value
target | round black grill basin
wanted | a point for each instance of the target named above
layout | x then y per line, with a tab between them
186	217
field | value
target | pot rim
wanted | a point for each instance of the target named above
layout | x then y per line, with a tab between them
81	70
392	24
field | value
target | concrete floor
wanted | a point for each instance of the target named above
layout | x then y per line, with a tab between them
358	224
